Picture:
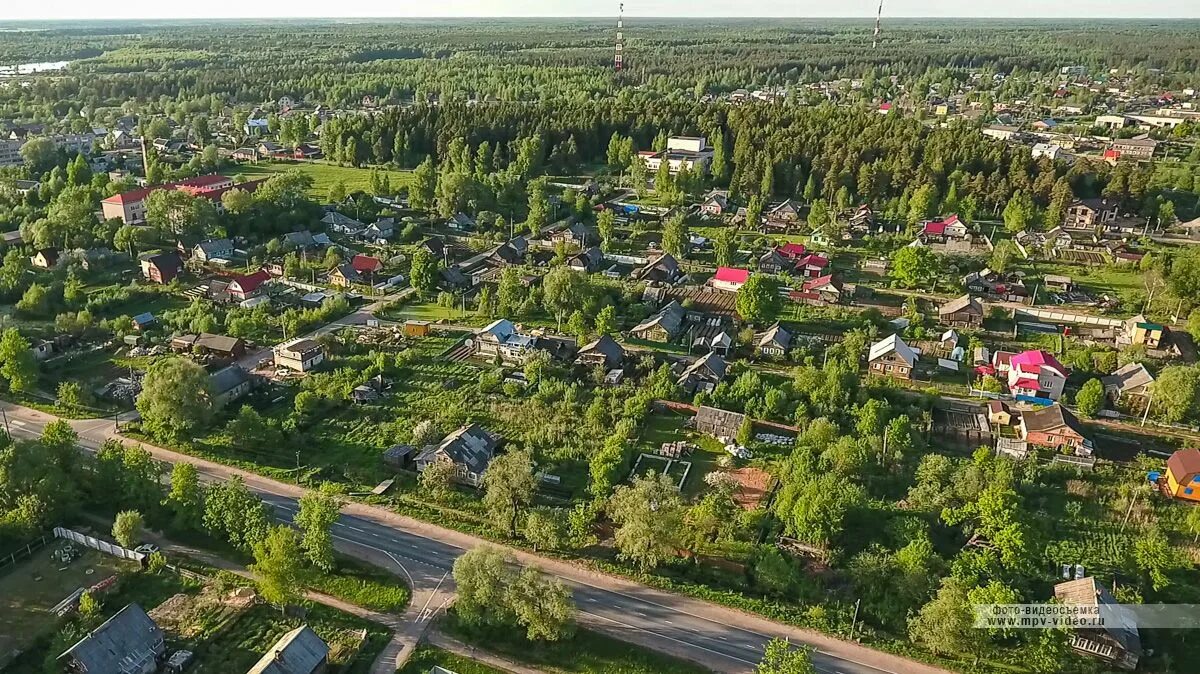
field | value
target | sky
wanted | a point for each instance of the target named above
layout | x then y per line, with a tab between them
146	9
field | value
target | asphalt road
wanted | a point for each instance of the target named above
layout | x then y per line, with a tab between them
425	554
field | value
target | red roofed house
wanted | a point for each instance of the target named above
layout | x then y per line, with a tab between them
365	264
884	108
822	290
729	279
812	265
244	287
943	229
1183	474
792	251
1037	374
130	207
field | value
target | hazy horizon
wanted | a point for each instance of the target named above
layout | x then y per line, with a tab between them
78	10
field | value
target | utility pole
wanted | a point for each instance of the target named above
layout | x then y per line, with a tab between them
7	430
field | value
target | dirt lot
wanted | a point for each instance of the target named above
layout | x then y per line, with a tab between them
33	587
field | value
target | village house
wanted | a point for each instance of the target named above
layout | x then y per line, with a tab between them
729	279
715	204
128	643
771	262
46	258
470	449
1036	374
602	352
242	288
229	384
342	224
345	275
461	222
1054	426
1118	642
1141	331
663	269
663	326
963	312
704	373
861	220
299	355
812	265
891	357
786	211
821	291
721	424
1131	381
511	252
214	249
1183	474
1088	214
587	260
220	346
299	651
941	230
774	342
576	234
792	252
998	413
501	338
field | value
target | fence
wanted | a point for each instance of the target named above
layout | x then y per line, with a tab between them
9	561
97	544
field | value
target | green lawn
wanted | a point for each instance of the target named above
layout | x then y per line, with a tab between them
324	175
426	658
586	652
34	586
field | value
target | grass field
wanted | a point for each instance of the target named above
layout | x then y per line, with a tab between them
29	591
324	175
427	657
584	653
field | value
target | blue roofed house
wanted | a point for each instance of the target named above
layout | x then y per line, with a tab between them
127	643
470	449
501	338
216	249
300	651
143	321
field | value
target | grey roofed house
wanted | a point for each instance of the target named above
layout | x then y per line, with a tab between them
966	303
127	643
470	448
341	222
1132	378
889	344
461	221
301	240
705	373
664	268
669	319
604	350
587	260
215	247
228	379
453	276
775	338
300	651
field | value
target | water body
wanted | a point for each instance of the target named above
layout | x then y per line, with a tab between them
31	68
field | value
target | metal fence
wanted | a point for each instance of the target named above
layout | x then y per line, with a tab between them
97	544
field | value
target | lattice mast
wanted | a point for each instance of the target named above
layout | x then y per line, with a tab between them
617	57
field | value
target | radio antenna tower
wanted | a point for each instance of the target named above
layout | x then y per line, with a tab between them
878	15
620	38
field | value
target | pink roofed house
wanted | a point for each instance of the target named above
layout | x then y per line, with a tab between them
1036	374
729	279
